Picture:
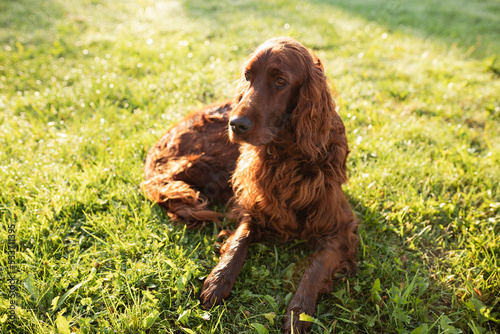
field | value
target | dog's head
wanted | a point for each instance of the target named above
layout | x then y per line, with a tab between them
282	87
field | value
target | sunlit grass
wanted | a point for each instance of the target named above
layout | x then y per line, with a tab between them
87	86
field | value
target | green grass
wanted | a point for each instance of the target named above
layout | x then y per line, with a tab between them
87	86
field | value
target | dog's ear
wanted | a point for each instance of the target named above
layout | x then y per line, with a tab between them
314	115
318	128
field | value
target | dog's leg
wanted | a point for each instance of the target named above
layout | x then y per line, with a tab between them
333	255
221	280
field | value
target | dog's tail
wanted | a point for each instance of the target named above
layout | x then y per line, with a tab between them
182	202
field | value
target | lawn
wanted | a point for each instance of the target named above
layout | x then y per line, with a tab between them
87	86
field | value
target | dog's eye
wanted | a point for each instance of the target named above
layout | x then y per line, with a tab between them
248	76
280	83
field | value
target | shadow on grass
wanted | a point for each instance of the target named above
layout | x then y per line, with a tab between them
471	25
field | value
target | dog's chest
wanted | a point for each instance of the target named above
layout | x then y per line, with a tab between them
293	193
280	193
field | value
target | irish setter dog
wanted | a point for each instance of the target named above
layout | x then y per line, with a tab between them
279	150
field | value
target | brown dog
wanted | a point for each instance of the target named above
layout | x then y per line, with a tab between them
285	147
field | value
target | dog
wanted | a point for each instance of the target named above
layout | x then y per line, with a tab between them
277	153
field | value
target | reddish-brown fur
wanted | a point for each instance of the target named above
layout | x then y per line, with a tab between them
191	165
287	179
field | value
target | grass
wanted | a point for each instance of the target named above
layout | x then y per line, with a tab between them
87	86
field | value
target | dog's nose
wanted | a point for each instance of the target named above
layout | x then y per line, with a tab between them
240	125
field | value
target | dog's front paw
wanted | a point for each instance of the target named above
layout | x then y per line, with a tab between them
291	319
214	291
